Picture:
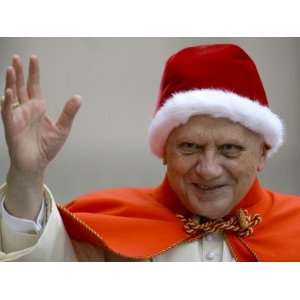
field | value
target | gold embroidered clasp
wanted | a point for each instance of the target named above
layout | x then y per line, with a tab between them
242	223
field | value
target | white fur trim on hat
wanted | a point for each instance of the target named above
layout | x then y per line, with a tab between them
219	104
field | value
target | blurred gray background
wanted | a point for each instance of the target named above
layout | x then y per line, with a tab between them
118	79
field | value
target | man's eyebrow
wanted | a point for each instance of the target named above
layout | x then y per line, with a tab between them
231	141
220	141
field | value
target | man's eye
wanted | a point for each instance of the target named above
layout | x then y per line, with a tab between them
188	148
231	150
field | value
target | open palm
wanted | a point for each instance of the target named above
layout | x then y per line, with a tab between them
33	139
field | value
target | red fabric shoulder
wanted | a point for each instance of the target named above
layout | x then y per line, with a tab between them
277	237
129	202
127	221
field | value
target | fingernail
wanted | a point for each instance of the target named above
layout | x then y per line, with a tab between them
16	57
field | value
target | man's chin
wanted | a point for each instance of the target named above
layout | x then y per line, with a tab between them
212	208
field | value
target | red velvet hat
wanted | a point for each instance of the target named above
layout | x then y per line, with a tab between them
218	80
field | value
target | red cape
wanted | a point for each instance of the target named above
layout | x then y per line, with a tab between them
142	223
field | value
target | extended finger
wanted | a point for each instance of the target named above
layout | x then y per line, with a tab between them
20	83
68	114
33	82
6	107
10	81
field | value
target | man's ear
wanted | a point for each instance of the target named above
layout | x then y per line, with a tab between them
164	157
263	157
164	160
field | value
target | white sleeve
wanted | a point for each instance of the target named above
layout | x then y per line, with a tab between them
50	243
20	224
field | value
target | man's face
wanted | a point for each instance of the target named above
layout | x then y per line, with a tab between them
212	163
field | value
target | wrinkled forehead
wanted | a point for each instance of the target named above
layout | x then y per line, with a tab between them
204	127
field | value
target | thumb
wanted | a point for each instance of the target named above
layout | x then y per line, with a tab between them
68	114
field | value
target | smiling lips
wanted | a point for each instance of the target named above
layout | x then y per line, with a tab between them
204	187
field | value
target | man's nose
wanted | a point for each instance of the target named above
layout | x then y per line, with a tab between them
208	168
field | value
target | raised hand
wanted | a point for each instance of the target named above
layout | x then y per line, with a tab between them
32	138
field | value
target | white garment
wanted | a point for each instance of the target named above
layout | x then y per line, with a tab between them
26	240
52	243
22	225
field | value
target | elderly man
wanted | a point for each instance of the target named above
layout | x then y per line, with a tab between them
212	129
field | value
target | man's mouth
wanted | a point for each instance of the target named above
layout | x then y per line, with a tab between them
205	187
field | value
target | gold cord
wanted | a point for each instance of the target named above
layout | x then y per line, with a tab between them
242	224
